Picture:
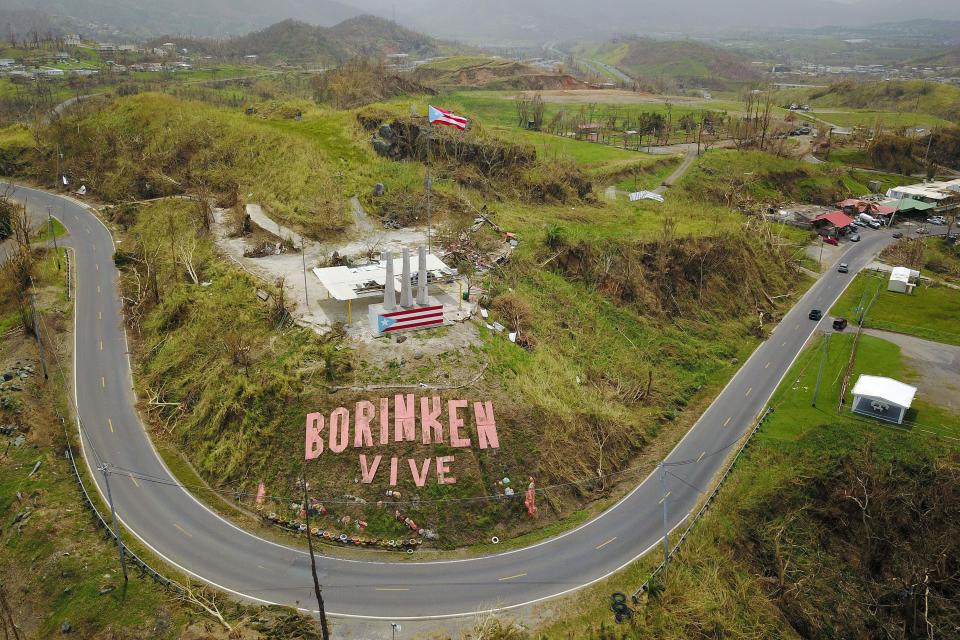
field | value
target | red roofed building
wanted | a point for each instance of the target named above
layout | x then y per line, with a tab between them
833	223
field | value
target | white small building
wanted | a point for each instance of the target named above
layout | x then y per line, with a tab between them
882	398
903	280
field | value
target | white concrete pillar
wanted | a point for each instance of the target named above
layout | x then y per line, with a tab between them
389	291
422	294
406	292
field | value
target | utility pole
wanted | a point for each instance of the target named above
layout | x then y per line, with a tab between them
699	135
36	330
105	469
53	232
823	357
820	259
324	630
303	255
666	533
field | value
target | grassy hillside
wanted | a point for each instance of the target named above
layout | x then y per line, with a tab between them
916	96
490	73
754	179
152	145
243	394
687	64
946	58
785	551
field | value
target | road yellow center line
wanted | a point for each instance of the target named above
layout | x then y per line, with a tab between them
110	424
103	382
98	288
766	365
99	315
603	544
182	530
519	575
701	456
748	391
665	496
98	266
135	481
727	421
101	345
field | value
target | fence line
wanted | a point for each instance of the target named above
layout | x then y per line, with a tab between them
144	568
713	494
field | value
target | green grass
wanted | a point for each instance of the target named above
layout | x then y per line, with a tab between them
46	234
931	312
729	176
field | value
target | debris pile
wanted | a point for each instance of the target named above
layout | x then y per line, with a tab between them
11	378
338	534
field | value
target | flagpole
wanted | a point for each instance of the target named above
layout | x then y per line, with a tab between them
429	183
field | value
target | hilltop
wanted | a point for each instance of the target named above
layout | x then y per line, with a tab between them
294	41
491	73
683	63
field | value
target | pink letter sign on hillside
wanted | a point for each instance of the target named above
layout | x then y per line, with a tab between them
409	413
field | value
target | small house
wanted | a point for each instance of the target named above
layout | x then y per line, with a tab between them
903	280
882	398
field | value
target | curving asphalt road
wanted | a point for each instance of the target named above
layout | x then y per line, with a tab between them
180	529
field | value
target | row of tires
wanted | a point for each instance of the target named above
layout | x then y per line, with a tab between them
336	537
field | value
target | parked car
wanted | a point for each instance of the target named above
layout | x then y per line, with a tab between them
937	220
839	324
897	235
854	237
831	240
843	268
920	230
815	314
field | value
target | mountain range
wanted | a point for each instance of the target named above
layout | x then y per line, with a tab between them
485	20
298	42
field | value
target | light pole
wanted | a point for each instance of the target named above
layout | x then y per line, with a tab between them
105	469
394	627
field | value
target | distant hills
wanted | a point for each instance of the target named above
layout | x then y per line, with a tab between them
680	64
494	21
209	18
947	58
293	41
540	20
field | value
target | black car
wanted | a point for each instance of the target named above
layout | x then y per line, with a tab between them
839	324
816	314
897	235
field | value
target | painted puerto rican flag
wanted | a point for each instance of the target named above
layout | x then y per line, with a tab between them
446	117
417	318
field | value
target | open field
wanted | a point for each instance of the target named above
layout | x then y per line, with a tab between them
932	312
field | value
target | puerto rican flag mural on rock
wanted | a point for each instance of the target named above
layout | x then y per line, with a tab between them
416	318
441	116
